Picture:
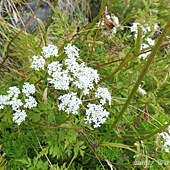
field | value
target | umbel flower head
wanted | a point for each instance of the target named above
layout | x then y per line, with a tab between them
12	99
96	114
70	76
69	103
38	62
50	50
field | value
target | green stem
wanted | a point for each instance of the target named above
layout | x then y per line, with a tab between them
138	41
164	44
154	132
118	145
127	59
142	136
144	71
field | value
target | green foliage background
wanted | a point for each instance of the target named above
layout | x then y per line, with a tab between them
50	139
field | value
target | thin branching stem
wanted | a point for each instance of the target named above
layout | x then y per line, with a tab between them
144	71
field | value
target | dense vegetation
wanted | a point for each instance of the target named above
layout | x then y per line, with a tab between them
132	61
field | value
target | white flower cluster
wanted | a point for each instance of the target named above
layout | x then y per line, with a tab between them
62	75
78	76
28	89
166	137
38	62
96	114
70	103
12	99
50	50
104	94
134	28
60	78
149	42
72	51
85	78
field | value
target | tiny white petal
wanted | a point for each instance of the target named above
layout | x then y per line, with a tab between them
3	101
19	116
13	92
145	54
50	50
30	102
104	94
15	103
116	20
28	88
69	103
134	27
150	41
156	27
96	115
38	62
166	138
71	51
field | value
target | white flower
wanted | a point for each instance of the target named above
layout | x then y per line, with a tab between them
150	41
61	80
15	103
104	94
85	77
54	67
156	27
72	65
38	62
71	51
114	30
142	91
166	138
96	114
13	92
19	116
30	102
70	103
134	27
50	50
144	46
3	100
116	20
28	89
145	54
